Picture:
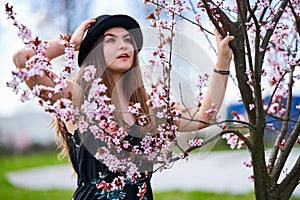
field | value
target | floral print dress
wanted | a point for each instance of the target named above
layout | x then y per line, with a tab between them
95	181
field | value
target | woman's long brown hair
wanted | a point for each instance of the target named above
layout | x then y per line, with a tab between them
134	88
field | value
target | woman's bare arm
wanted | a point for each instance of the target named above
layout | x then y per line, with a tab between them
216	89
54	50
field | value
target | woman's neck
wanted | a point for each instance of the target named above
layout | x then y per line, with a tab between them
123	103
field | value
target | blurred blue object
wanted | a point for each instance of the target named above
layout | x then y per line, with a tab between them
294	114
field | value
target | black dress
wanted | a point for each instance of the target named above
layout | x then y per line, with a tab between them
89	170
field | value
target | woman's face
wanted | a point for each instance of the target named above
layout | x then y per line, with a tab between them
118	50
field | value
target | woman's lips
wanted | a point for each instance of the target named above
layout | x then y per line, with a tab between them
123	56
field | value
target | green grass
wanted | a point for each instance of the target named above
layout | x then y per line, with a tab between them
193	195
9	192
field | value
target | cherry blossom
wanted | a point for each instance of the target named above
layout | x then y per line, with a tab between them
201	85
89	73
251	106
195	142
248	164
251	178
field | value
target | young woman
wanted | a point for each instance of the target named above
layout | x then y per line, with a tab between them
111	43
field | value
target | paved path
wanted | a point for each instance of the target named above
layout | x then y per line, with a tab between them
214	171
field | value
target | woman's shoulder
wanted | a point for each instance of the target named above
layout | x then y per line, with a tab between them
73	89
71	127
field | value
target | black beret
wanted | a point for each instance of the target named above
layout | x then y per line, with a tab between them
104	22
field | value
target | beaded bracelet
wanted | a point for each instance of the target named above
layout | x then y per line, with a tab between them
224	72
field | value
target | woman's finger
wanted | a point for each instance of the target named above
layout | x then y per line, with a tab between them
227	39
79	32
86	24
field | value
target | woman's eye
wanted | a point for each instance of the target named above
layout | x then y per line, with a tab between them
128	40
110	40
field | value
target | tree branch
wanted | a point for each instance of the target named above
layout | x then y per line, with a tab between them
209	140
235	132
274	91
228	25
205	35
286	151
185	18
212	138
264	12
285	124
290	182
269	33
249	55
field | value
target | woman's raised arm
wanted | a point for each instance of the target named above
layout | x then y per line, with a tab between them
54	50
216	89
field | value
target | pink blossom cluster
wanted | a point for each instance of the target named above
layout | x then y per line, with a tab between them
276	106
211	112
201	85
96	113
251	178
174	8
233	140
263	3
96	116
89	73
248	163
197	142
237	116
35	66
160	23
213	10
24	33
158	98
197	17
281	54
249	74
69	57
212	6
63	110
39	65
115	164
251	106
281	144
135	108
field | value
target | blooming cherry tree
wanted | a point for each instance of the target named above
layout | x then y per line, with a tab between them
266	57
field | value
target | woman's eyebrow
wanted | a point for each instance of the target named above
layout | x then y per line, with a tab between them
110	34
126	35
113	35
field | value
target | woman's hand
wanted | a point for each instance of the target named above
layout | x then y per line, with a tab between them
77	36
224	51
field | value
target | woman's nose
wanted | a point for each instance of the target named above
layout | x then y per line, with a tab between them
122	44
